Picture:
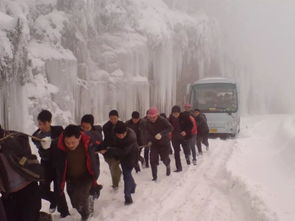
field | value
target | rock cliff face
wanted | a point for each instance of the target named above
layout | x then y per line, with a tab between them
87	56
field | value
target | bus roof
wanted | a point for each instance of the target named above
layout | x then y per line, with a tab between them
215	80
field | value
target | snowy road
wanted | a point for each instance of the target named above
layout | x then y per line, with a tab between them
249	178
200	193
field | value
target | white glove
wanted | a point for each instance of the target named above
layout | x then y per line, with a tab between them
46	143
158	136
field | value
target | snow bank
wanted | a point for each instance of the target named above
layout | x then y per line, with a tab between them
263	162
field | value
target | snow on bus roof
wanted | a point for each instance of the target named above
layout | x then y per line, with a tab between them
215	80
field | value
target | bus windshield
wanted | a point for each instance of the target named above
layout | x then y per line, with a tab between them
215	97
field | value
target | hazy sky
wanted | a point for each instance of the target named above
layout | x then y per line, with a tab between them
260	36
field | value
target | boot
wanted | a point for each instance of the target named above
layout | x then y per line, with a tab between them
128	200
168	170
141	159
52	207
137	168
188	162
133	189
178	170
44	216
195	162
154	172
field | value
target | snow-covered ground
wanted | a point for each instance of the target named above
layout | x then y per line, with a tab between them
244	179
263	162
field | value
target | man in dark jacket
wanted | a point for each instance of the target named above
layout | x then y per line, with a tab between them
77	166
158	134
95	133
126	150
203	130
138	126
109	141
47	130
20	192
178	139
188	127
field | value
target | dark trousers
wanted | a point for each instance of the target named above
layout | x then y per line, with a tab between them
23	205
2	212
146	156
141	159
163	152
202	138
176	146
129	183
53	197
78	191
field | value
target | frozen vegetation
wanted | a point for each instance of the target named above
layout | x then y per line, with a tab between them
76	57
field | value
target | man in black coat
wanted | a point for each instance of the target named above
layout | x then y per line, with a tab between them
203	130
188	126
47	130
109	141
95	133
138	126
126	150
78	167
158	129
178	139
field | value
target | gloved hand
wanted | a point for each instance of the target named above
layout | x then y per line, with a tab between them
46	143
158	136
95	190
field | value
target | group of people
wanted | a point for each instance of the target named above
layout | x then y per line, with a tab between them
71	156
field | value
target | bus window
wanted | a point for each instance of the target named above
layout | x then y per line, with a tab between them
217	97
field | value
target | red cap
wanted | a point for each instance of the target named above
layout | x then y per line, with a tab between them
153	111
188	105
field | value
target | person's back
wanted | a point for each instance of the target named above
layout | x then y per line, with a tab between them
201	122
18	182
203	130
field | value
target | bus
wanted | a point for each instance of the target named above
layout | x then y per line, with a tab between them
218	99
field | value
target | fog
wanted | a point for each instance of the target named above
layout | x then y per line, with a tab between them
258	40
